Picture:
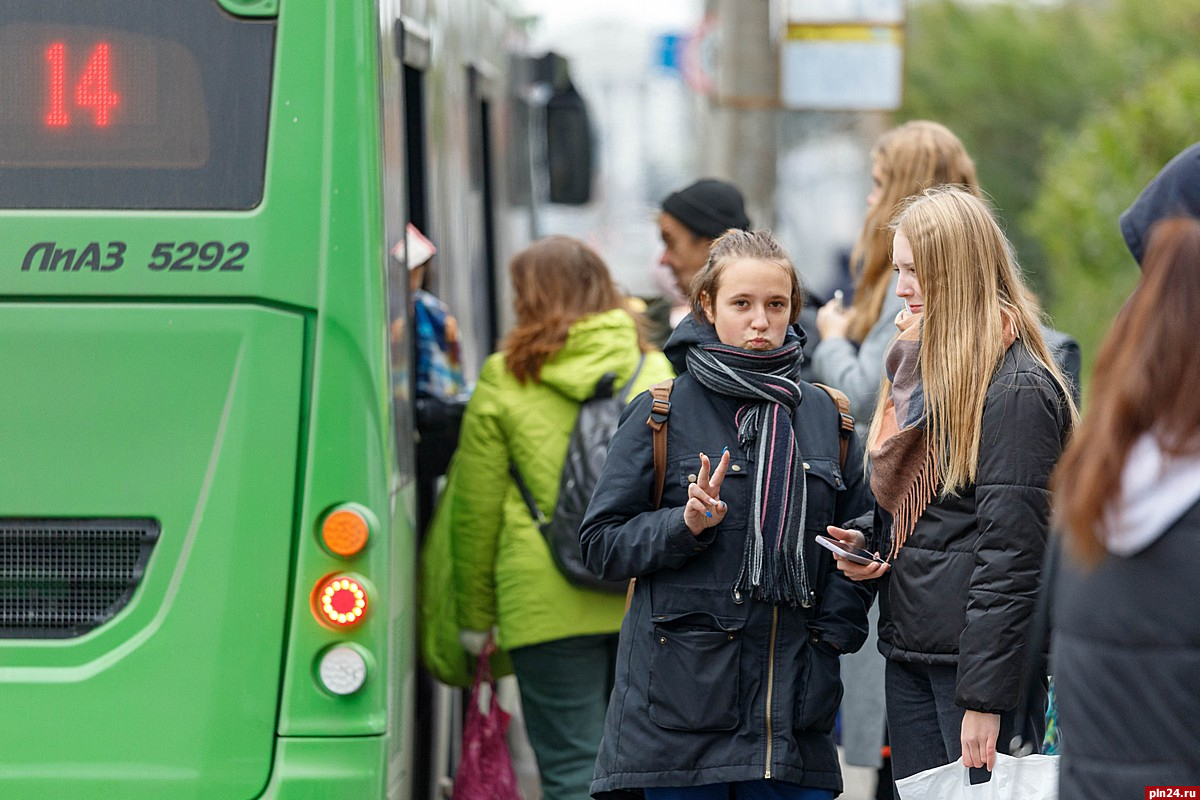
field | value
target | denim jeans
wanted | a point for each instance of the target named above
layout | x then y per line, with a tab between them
925	725
565	685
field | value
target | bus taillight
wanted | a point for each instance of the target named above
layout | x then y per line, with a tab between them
344	531
339	601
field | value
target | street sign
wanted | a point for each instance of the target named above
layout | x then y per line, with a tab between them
842	55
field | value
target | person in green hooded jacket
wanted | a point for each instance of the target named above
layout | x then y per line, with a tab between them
572	327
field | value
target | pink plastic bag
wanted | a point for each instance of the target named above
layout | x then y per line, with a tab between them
486	771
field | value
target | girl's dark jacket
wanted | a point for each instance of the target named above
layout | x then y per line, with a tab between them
1125	658
962	589
712	687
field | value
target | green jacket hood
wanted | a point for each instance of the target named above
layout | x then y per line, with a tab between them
596	344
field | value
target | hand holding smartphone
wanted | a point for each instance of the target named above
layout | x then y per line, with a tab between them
855	554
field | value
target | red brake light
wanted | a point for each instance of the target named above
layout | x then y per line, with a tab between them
340	601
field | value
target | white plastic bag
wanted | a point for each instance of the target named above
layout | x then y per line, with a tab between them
1032	777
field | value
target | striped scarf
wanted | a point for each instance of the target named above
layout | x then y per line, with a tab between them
773	563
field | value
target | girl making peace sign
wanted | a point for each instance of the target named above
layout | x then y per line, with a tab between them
727	666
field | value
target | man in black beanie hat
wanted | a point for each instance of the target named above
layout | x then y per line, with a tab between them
691	219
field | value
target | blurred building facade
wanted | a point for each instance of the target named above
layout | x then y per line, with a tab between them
691	90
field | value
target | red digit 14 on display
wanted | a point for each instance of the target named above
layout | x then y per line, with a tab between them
92	89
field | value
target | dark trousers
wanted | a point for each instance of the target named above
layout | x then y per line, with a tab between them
565	685
925	725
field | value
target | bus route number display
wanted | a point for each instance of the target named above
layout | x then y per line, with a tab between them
84	96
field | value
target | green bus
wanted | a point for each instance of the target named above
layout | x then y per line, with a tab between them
207	468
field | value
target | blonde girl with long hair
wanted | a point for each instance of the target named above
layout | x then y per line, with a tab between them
971	421
906	160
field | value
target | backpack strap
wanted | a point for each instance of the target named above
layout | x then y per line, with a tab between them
624	396
659	409
847	422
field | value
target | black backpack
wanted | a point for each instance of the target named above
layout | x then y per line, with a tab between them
586	451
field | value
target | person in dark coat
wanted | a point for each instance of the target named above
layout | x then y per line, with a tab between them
727	681
1126	641
970	424
1174	191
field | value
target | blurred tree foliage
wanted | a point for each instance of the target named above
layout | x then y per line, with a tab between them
1068	108
1090	177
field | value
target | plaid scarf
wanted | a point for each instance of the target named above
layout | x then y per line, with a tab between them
904	470
773	563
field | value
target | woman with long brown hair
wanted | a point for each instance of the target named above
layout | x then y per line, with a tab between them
1126	641
968	428
572	328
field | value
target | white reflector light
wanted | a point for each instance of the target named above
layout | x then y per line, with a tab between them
342	670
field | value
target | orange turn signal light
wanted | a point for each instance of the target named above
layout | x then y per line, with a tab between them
340	601
345	532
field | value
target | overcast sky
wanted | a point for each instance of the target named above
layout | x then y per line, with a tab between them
656	15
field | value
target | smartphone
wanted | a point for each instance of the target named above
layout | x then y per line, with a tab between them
855	554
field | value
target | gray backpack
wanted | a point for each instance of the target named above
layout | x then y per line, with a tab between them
586	452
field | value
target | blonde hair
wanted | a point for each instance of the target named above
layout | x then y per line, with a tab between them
556	281
916	156
972	289
760	245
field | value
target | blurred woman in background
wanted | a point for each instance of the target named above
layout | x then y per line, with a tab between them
1126	638
906	160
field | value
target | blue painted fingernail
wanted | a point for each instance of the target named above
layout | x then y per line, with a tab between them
708	514
726	450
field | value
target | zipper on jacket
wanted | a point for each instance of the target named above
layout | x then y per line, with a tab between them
771	687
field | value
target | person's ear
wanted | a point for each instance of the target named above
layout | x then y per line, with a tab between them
706	305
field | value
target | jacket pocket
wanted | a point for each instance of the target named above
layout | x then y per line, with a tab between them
827	470
695	681
686	470
820	691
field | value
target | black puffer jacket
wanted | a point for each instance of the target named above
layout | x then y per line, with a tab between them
962	589
1126	654
711	688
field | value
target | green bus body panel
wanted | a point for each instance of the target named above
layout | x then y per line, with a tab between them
154	411
329	769
236	407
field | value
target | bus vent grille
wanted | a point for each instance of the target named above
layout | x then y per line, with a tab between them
60	578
